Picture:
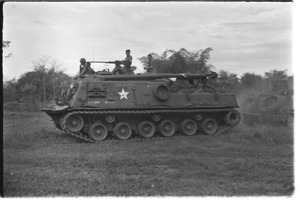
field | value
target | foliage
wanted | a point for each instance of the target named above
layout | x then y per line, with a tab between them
274	76
171	61
251	80
48	73
43	83
9	90
182	61
5	45
47	79
228	81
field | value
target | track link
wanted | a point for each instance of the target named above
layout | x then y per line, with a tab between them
86	138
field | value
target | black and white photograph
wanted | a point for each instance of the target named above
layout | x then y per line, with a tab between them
148	99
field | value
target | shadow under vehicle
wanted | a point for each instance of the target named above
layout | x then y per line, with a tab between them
273	106
103	105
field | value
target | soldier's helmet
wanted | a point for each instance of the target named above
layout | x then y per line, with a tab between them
82	60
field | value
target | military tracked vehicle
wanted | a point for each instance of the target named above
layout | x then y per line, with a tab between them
106	106
273	106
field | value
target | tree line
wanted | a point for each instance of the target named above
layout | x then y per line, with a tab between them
184	61
43	83
48	79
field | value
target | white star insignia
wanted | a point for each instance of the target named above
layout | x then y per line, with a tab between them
123	94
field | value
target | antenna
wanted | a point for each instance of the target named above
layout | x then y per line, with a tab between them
93	53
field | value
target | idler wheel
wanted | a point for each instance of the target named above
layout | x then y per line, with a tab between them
123	131
74	123
162	92
146	129
209	126
188	127
98	132
232	118
167	128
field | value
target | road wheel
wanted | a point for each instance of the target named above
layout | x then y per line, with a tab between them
74	123
123	131
146	129
209	126
188	127
167	128
98	132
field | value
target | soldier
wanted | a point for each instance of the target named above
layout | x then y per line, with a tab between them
82	63
64	89
149	68
127	62
118	69
86	69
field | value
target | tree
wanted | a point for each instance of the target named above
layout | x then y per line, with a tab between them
9	90
171	61
49	75
5	45
40	68
228	81
43	83
27	85
251	81
274	76
204	57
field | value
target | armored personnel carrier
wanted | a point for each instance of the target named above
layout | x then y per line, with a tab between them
104	105
274	106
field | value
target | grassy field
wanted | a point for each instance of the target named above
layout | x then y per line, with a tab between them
40	160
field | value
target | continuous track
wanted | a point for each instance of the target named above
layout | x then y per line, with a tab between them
85	137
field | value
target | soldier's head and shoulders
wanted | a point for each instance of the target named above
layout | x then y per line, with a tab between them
82	62
149	67
128	56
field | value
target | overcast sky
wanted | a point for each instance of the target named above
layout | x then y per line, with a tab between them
245	37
